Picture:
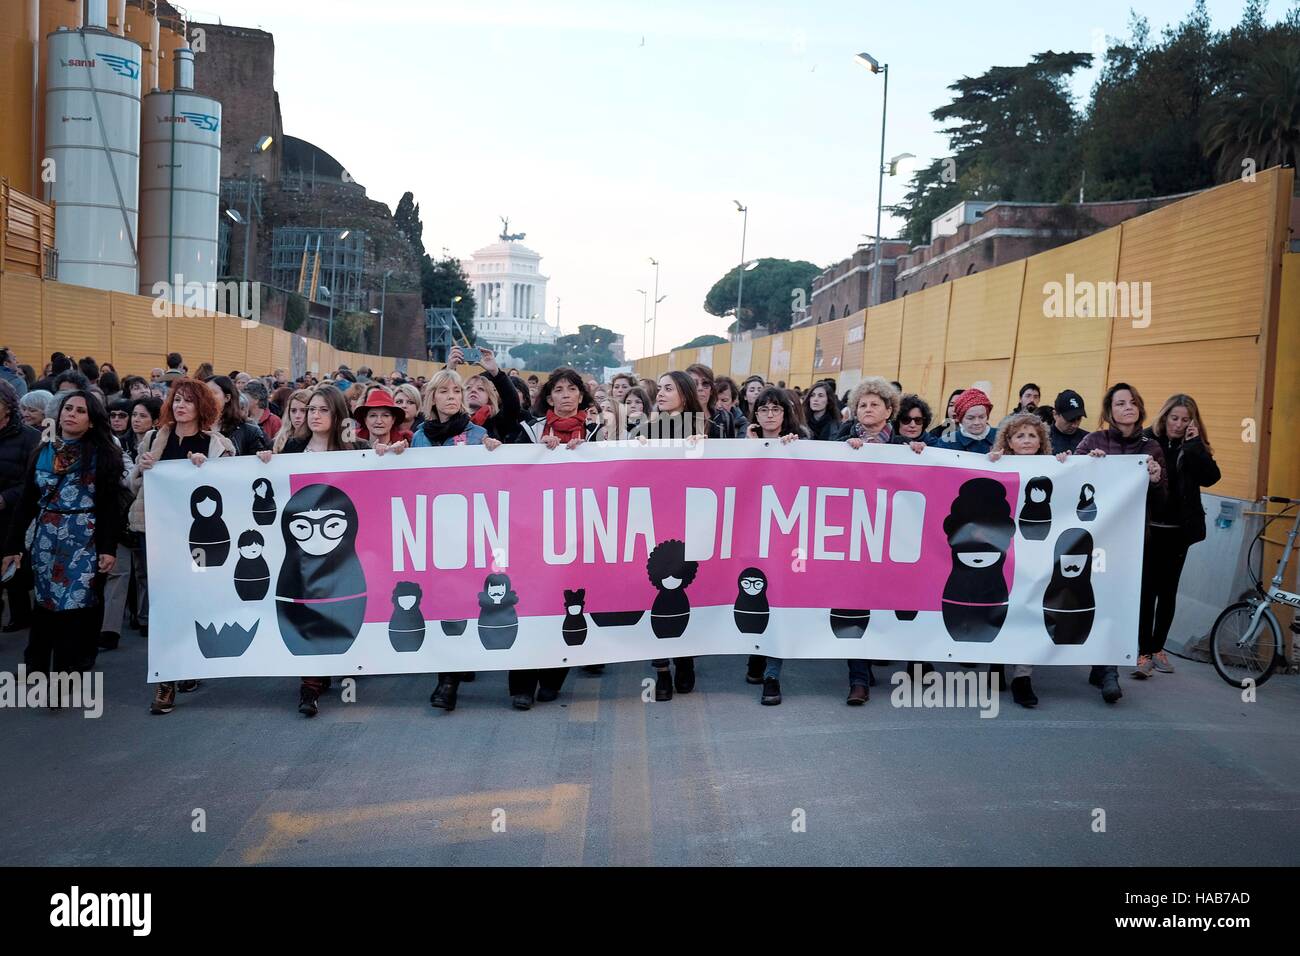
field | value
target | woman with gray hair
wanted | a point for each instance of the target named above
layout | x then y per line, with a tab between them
35	407
872	406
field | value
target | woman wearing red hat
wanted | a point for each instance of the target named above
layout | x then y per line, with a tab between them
971	413
381	420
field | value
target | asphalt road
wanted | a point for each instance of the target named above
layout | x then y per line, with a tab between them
1185	772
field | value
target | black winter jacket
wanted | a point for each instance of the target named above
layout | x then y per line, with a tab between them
1189	467
17	442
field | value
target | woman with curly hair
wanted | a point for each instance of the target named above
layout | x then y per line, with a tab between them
873	404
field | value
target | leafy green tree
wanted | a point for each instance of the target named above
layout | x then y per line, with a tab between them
701	341
440	283
1256	118
587	350
772	288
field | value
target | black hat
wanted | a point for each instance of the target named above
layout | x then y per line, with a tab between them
1069	405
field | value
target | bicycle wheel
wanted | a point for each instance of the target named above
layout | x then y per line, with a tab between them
1240	656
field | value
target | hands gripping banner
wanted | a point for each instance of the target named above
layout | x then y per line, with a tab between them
466	559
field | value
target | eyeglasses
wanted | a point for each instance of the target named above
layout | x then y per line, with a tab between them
770	410
318	410
330	526
117	415
914	420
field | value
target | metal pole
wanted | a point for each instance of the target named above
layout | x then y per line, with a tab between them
248	221
880	194
654	330
643	320
383	295
740	289
334	291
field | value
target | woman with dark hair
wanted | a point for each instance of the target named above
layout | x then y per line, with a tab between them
637	406
728	398
750	389
187	428
677	415
1122	412
133	387
73	493
721	424
205	372
912	420
247	438
822	412
119	420
329	428
29	374
774	421
1177	523
109	384
561	412
949	423
18	441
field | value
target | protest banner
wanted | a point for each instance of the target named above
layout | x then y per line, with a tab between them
459	559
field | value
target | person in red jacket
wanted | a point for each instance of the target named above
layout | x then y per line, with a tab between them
1122	412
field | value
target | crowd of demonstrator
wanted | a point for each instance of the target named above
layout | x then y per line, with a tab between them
76	442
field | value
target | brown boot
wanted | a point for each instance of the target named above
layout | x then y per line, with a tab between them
858	695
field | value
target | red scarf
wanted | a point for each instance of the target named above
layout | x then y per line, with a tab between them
565	429
481	416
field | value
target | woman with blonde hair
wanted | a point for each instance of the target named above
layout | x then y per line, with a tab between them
1177	523
407	397
446	416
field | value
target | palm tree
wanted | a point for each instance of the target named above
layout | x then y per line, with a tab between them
1257	116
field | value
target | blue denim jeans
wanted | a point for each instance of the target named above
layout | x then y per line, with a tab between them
859	673
772	671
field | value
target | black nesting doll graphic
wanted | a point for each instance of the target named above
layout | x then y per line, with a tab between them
209	536
575	624
671	574
1068	603
263	502
454	628
849	625
406	626
320	596
1087	509
979	530
751	609
1036	514
498	624
906	615
252	576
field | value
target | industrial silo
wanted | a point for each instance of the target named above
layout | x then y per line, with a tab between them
180	186
92	133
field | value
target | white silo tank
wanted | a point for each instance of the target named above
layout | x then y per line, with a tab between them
180	188
92	133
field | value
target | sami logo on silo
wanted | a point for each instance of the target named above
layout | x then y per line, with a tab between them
122	66
203	121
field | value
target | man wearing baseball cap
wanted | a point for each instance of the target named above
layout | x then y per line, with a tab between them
1067	413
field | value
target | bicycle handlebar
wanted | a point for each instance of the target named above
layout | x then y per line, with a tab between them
1283	501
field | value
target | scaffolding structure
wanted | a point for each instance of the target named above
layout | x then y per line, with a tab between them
325	268
441	332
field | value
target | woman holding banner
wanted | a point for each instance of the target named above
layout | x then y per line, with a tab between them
1177	523
329	428
971	411
561	413
186	429
72	490
491	398
1023	433
1122	412
774	421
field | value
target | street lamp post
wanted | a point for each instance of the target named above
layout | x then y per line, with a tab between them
261	146
867	60
744	227
644	293
383	296
655	316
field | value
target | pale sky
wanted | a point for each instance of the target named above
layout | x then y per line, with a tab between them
610	132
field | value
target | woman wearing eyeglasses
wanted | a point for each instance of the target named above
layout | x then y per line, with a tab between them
328	428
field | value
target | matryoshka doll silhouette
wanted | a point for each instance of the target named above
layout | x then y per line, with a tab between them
671	574
406	626
979	530
751	609
1087	510
263	502
1036	515
849	625
1069	605
209	536
574	627
498	624
320	596
252	576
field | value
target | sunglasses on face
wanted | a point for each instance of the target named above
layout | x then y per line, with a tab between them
914	420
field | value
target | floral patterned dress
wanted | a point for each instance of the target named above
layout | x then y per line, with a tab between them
64	557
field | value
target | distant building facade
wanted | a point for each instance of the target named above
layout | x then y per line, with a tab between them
510	296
